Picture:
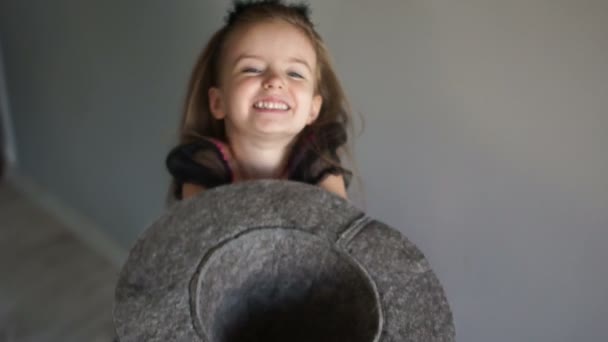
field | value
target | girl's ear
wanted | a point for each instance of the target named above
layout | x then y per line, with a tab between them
216	105
315	109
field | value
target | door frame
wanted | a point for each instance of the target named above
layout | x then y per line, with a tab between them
8	156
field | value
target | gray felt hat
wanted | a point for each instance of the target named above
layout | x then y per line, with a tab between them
273	261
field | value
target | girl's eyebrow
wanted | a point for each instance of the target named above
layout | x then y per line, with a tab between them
292	59
301	61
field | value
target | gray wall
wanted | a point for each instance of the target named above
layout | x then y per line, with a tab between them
484	141
95	89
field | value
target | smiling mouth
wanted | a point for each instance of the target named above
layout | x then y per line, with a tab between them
271	106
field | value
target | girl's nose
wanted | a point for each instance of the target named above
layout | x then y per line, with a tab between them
273	81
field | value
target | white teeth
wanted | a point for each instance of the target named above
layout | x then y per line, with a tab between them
271	105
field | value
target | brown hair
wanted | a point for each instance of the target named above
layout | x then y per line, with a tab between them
334	119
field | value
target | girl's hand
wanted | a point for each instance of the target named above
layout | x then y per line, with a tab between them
334	183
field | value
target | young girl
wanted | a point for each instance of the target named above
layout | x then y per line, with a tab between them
263	102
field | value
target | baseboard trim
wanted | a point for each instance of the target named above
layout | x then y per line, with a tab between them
81	226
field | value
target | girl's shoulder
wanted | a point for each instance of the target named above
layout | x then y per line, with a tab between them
220	147
313	165
203	162
202	146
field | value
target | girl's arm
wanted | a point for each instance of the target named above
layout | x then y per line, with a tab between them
334	183
191	189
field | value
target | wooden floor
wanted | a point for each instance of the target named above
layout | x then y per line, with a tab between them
52	286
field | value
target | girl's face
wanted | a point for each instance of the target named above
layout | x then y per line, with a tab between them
267	82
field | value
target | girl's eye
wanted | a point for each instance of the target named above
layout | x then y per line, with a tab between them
295	74
247	70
